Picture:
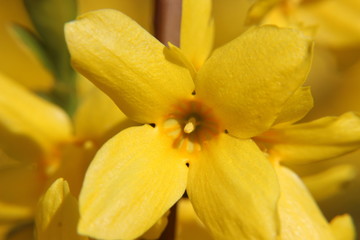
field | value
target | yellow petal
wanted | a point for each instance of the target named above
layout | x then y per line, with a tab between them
57	214
127	63
188	224
299	215
197	30
15	61
313	141
133	180
330	182
75	159
296	107
20	188
98	118
234	191
179	55
141	11
29	123
229	18
343	227
249	80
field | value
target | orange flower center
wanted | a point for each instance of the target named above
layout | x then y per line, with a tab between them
190	124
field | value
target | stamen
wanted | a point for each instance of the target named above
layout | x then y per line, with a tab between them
190	125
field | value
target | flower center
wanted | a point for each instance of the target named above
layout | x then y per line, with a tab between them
190	124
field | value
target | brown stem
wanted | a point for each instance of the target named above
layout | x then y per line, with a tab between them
167	29
169	232
167	21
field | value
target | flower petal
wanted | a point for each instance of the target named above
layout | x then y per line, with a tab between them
197	31
86	120
343	227
133	180
75	159
57	214
249	80
178	54
330	181
127	63
234	191
36	129
313	141
296	107
300	217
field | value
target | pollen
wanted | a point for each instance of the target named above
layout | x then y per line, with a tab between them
190	124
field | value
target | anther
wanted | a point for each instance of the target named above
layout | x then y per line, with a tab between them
190	125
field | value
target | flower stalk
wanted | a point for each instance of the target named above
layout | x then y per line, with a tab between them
167	21
167	29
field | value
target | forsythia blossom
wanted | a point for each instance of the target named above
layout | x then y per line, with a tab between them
205	129
198	127
218	125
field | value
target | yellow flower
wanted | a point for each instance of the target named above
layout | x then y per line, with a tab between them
38	145
57	214
334	80
336	35
197	130
30	139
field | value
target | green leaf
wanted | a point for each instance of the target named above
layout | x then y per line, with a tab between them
49	18
34	44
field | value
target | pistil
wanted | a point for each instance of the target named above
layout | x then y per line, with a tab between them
190	125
